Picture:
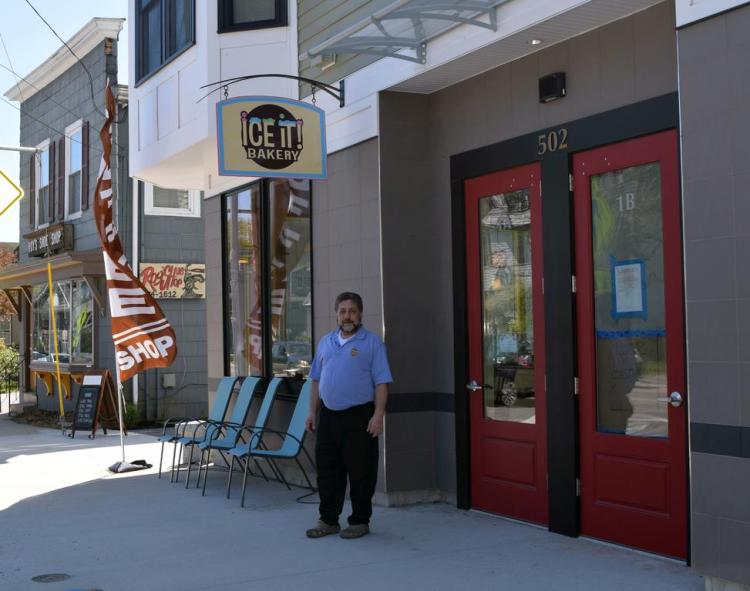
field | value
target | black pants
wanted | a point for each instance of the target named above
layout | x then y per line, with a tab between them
344	449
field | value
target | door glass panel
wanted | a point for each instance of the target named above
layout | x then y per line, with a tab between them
631	365
507	319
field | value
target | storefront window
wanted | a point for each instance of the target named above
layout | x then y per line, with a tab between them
82	324
41	328
74	317
267	274
291	285
243	276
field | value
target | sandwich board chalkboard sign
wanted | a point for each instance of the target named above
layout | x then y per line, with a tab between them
95	404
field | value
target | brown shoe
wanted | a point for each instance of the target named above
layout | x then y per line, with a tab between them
356	530
322	529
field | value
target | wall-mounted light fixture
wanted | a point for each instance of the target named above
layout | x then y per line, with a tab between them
552	87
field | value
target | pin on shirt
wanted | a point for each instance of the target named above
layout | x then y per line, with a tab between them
355	352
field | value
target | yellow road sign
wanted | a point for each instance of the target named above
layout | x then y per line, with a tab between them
10	192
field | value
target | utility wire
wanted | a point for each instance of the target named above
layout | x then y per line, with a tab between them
91	80
11	65
47	97
91	147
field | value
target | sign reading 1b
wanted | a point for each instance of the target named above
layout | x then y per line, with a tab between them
264	136
10	192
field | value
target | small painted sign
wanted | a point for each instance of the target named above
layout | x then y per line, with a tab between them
10	192
170	281
261	136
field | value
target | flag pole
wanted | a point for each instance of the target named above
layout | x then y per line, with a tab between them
121	406
54	339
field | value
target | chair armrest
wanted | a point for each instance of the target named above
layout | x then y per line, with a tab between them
281	434
171	421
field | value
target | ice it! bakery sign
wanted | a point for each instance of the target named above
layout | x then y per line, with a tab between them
264	136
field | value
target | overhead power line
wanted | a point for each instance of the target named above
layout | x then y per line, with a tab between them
73	53
48	96
11	65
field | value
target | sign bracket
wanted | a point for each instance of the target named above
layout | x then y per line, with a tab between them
336	92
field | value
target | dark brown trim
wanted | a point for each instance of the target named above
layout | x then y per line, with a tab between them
226	24
52	181
85	166
68	265
721	440
61	178
420	402
32	191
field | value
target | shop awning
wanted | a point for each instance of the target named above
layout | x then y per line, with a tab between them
403	28
16	280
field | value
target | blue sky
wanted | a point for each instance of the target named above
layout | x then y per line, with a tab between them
29	43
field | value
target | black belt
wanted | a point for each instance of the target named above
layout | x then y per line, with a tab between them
350	409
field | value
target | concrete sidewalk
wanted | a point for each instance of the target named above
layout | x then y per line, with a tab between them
62	512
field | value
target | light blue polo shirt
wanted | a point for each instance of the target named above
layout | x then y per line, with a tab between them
348	373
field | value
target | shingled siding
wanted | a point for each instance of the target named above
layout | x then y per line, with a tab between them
62	102
319	20
172	239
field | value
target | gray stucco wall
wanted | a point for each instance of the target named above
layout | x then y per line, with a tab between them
624	62
714	95
346	244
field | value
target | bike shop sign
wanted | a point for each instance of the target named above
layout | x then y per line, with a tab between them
262	136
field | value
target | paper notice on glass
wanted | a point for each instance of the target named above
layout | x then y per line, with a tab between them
629	288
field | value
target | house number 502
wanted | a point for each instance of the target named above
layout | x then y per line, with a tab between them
552	141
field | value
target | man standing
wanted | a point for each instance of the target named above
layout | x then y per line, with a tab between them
350	377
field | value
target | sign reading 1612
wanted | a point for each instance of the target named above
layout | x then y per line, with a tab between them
271	137
10	192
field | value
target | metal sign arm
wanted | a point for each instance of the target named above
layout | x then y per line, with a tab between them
335	92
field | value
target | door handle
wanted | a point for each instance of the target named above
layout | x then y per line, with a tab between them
474	386
675	399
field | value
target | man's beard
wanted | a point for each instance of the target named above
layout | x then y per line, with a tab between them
349	327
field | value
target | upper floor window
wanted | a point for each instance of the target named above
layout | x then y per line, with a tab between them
42	174
73	168
164	28
177	202
242	15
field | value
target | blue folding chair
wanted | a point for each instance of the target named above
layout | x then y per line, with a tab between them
230	432
292	443
204	430
216	413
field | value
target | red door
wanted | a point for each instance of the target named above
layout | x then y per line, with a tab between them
631	344
506	344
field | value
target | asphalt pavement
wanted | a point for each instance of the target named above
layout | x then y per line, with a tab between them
64	518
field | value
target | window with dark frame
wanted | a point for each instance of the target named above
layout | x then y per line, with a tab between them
245	15
164	29
267	279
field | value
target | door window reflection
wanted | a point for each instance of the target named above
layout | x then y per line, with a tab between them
628	256
507	315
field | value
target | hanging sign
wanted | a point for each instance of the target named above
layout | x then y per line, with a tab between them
263	136
49	240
